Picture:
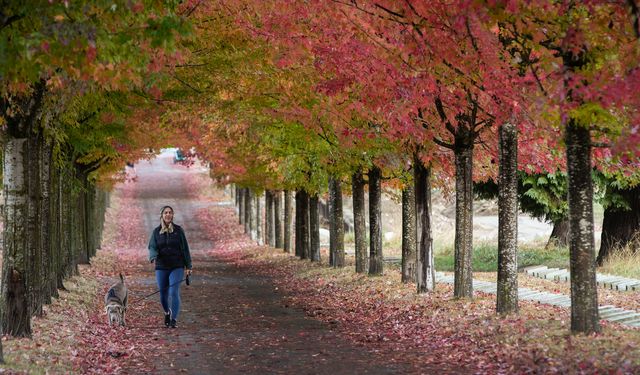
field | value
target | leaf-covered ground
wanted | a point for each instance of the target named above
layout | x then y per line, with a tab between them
253	309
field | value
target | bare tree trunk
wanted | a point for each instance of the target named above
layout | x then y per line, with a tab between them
247	210
426	271
16	313
302	224
314	228
376	265
336	222
34	274
79	214
251	215
45	223
241	206
559	235
288	219
332	223
409	254
620	227
277	219
257	231
268	208
68	223
21	116
359	223
463	271
55	238
584	294
507	295
271	230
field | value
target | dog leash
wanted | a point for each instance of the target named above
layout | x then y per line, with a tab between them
187	279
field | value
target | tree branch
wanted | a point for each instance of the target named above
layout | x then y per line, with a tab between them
442	143
186	84
443	116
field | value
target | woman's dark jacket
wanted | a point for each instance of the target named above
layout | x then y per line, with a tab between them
169	250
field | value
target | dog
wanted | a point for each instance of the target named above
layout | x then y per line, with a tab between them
115	302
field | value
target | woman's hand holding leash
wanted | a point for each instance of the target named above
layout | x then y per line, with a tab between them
188	278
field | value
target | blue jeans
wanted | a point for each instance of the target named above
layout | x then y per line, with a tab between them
169	284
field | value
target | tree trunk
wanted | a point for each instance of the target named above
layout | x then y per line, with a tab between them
238	204
332	223
16	314
507	295
305	229
268	208
247	210
559	235
55	237
359	223
34	204
426	270
409	255
256	233
302	224
21	118
314	229
288	219
463	271
336	222
45	223
277	219
620	227
584	296
375	223
251	214
241	205
79	214
270	218
65	260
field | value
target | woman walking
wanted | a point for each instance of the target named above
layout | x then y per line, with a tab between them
169	249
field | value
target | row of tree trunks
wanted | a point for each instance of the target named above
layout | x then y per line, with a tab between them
50	225
250	214
274	219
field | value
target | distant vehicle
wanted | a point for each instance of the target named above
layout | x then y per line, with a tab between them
179	156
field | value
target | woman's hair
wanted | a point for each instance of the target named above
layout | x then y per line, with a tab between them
163	208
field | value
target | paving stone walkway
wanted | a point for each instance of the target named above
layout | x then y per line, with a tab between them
607	312
612	282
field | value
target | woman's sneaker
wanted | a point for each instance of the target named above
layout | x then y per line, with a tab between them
173	323
167	318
